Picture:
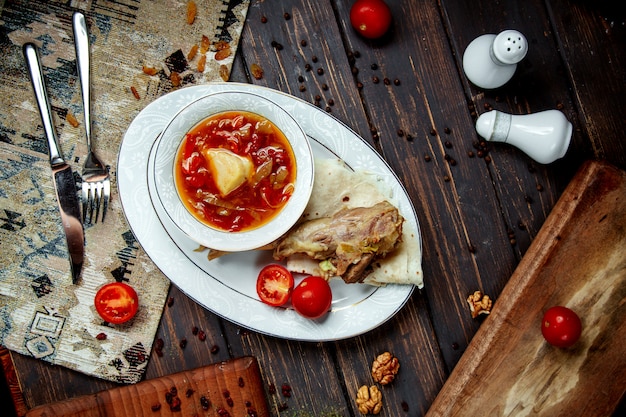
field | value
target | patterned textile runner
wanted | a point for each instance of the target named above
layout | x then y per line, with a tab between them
42	314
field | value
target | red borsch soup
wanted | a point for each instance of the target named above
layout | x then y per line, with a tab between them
235	171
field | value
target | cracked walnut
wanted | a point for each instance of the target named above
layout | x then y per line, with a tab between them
384	368
369	400
479	304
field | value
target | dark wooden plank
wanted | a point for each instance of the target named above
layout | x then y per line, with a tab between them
480	205
591	36
350	360
455	201
421	366
309	37
182	349
307	368
537	85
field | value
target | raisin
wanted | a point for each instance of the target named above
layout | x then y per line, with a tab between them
257	71
205	403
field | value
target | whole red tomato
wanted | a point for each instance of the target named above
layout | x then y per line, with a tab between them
370	18
274	285
561	327
116	302
312	297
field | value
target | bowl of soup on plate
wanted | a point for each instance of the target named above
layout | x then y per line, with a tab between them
234	171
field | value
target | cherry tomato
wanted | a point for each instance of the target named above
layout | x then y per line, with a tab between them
370	18
312	297
274	285
561	327
116	302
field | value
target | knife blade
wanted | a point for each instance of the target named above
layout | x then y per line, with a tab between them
64	184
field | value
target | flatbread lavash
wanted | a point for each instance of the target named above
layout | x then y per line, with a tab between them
336	187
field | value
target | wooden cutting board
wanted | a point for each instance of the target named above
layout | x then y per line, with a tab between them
578	260
238	381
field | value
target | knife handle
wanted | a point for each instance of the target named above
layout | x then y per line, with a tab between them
36	77
81	42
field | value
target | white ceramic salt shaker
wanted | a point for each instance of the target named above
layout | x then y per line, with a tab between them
491	60
544	136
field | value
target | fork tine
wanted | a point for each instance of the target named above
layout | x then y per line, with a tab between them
106	197
96	187
84	196
95	197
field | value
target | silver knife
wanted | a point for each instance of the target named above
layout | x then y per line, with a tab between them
64	182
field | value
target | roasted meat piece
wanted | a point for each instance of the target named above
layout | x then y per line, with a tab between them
346	243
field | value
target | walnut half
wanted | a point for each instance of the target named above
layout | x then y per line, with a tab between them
479	304
384	368
369	400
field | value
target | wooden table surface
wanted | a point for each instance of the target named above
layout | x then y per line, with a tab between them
478	216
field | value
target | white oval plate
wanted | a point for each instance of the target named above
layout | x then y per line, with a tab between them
226	286
165	157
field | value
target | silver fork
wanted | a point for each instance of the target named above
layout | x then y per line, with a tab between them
96	190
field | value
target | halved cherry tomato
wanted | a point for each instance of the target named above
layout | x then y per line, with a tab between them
116	302
370	18
312	297
561	327
274	285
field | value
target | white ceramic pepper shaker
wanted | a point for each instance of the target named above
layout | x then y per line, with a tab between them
490	61
544	136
